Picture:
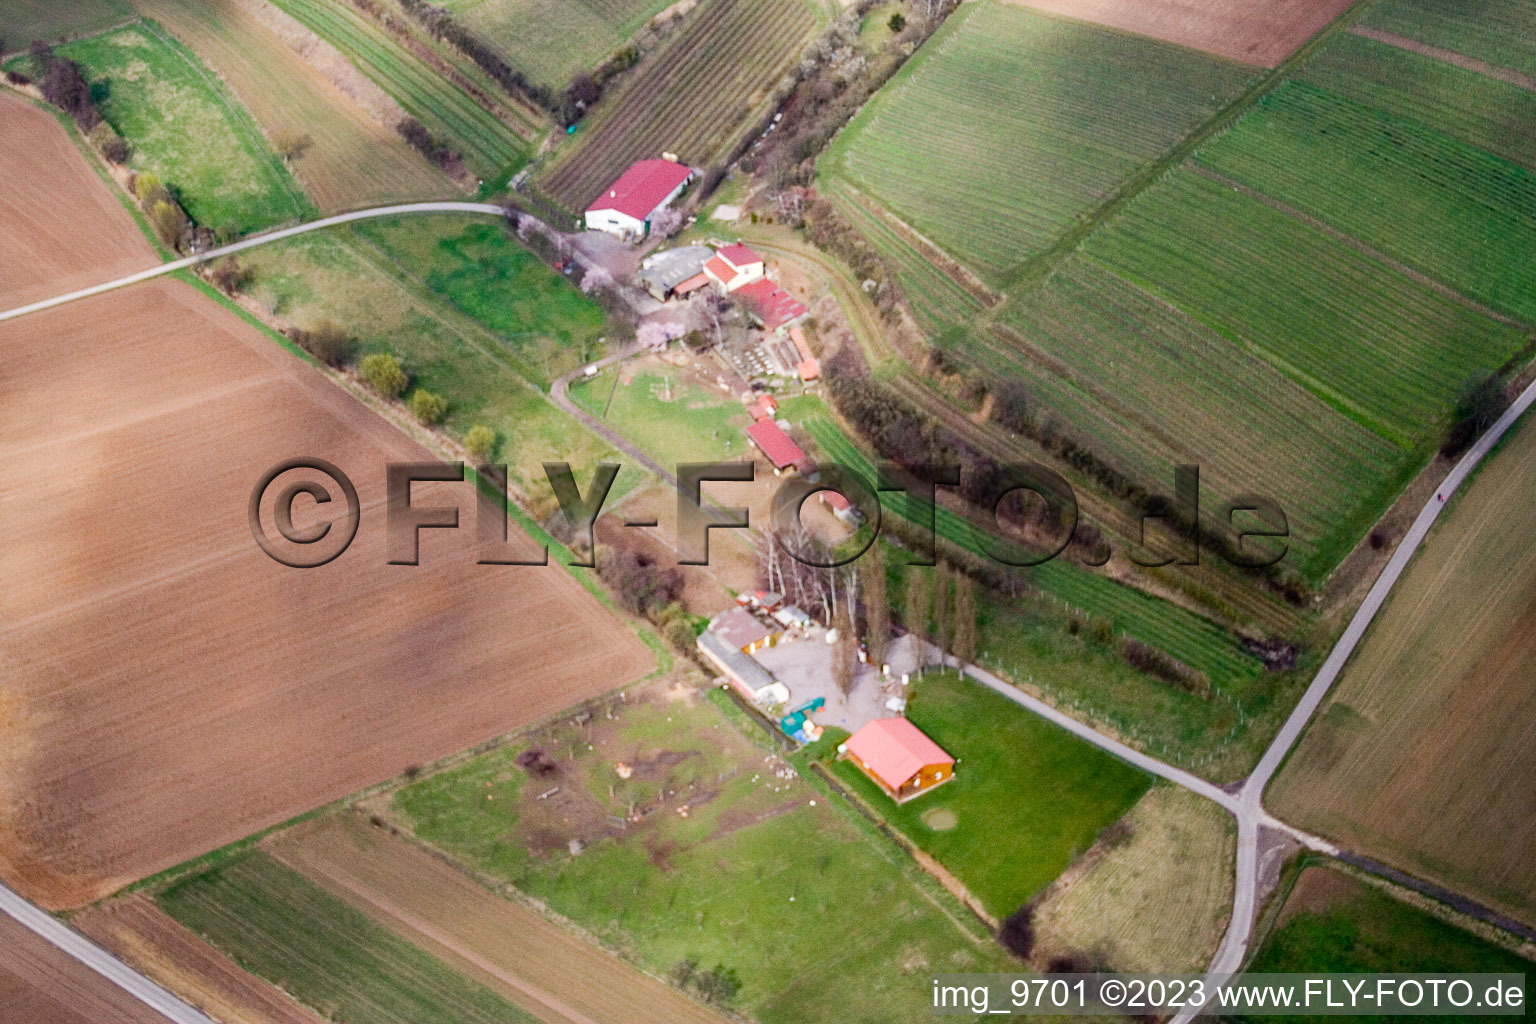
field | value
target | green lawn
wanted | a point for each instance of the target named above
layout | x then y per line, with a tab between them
280	926
365	283
1029	796
27	21
183	124
671	420
1008	126
1336	923
484	272
762	876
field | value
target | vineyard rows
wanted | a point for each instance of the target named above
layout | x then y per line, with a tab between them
1445	208
552	40
1155	388
1009	126
1462	104
1373	343
692	97
488	145
1501	32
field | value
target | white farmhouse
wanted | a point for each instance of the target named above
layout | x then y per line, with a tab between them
626	207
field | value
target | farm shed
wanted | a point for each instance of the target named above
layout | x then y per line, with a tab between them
665	273
779	448
756	682
808	368
742	631
900	759
626	207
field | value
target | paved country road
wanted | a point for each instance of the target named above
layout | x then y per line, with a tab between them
78	947
1246	805
252	242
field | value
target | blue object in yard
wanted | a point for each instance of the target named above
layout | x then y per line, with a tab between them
570	129
794	724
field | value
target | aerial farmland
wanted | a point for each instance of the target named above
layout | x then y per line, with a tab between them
1104	426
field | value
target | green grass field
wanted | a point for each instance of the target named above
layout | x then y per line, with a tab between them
280	926
1333	922
550	41
183	124
485	273
761	876
693	96
1439	205
1376	345
1009	126
1029	796
1501	32
27	21
490	147
671	420
380	286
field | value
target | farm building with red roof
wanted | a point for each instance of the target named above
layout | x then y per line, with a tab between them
771	305
778	446
626	207
899	758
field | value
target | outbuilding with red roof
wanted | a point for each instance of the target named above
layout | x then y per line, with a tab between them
626	207
899	758
778	446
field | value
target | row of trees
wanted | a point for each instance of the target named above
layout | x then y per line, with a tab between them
431	147
63	83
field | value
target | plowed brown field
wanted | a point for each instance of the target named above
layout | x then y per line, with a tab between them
1262	32
60	229
553	974
140	933
168	687
40	985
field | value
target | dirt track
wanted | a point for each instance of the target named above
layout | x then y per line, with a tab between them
60	229
1262	32
177	689
40	985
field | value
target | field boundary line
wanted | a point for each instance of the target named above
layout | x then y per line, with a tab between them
1481	67
1037	267
1417	276
972	284
250	243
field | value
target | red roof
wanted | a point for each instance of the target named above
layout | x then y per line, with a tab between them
773	305
693	284
721	271
774	443
642	188
835	501
894	750
738	255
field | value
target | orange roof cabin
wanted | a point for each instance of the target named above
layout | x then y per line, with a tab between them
900	759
